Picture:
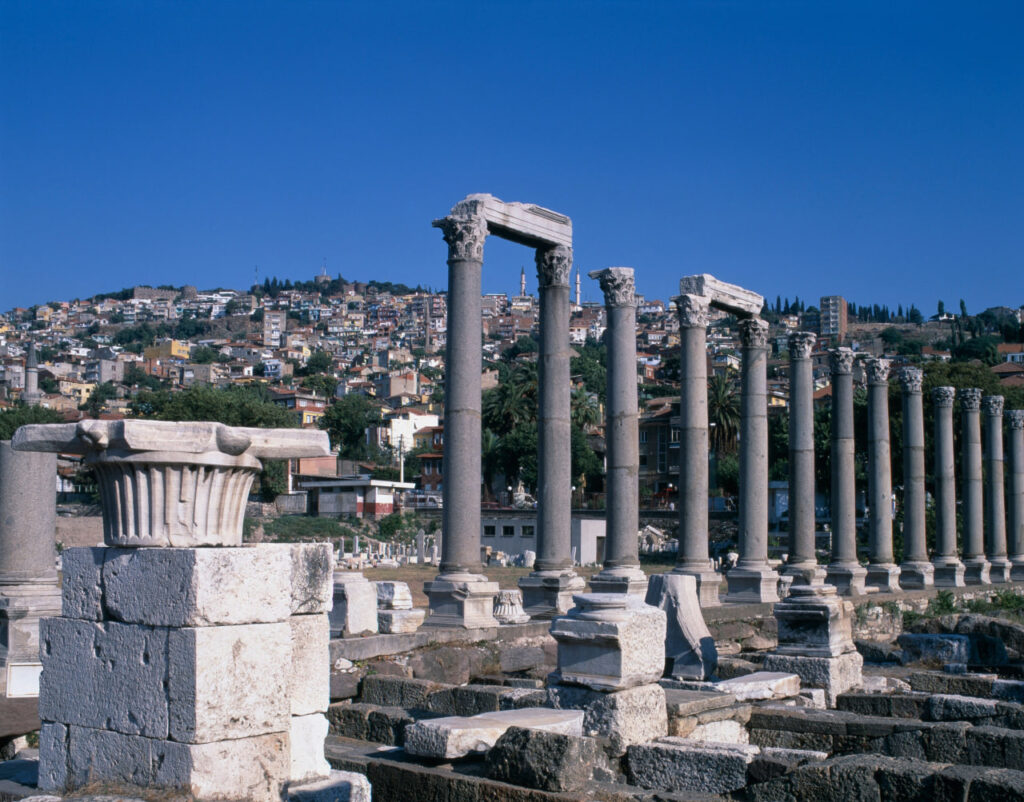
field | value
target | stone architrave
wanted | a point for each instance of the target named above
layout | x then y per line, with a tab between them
976	566
692	556
753	579
548	590
802	563
729	297
915	570
882	571
690	651
1015	487
28	564
460	595
845	570
995	496
949	570
621	571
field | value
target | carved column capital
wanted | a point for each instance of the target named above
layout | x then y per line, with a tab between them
801	343
465	237
944	396
1015	417
692	311
754	333
553	266
877	370
970	399
841	360
993	405
618	285
910	379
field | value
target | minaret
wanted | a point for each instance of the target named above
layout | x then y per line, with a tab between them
31	395
578	288
522	282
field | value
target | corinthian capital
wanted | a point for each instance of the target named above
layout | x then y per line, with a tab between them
910	379
878	371
801	343
970	399
617	284
944	396
1015	417
841	360
465	237
553	266
692	310
754	333
993	404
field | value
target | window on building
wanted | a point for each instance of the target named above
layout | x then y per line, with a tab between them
489	530
527	531
643	437
674	433
508	531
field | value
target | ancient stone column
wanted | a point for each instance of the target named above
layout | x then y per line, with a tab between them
845	570
882	571
461	594
916	571
949	570
621	572
548	590
802	563
692	558
753	579
1015	486
995	497
976	567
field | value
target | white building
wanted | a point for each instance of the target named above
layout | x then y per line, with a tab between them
515	531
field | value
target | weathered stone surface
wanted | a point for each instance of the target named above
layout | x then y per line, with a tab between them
814	622
951	707
306	741
312	576
393	622
610	641
394	596
630	716
355	605
520	658
944	648
729	297
690	703
673	764
397	691
53	756
454	665
340	786
468	700
309	682
761	685
545	760
725	731
835	675
82	583
690	651
457	736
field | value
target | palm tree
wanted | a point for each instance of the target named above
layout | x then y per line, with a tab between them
723	412
490	458
585	410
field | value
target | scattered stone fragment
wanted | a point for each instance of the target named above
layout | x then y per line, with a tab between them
761	685
456	736
547	761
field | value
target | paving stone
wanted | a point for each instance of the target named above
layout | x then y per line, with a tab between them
456	736
547	761
674	764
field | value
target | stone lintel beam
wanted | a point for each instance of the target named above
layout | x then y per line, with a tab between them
728	297
524	223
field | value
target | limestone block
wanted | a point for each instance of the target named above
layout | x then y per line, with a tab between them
104	675
689	648
610	641
310	681
457	736
726	731
186	587
53	756
306	739
673	764
82	583
631	716
229	681
311	576
393	596
394	622
835	675
355	605
813	621
761	685
340	786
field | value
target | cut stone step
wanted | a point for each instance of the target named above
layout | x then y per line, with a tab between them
456	736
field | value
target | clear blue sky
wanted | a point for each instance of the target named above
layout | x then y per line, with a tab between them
869	149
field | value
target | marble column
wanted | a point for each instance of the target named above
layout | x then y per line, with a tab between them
916	571
461	596
802	563
995	494
548	590
1015	487
882	571
845	570
976	567
621	572
949	570
692	558
753	579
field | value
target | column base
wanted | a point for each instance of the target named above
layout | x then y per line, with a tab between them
848	577
916	575
752	584
625	579
547	594
976	571
461	600
805	573
883	576
1017	569
999	570
23	606
949	572
709	582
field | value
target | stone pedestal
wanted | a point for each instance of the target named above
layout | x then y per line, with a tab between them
835	675
355	605
547	594
690	651
461	600
395	613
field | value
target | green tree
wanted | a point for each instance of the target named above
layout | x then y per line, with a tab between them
203	355
99	396
320	384
22	415
723	413
319	362
346	421
584	409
